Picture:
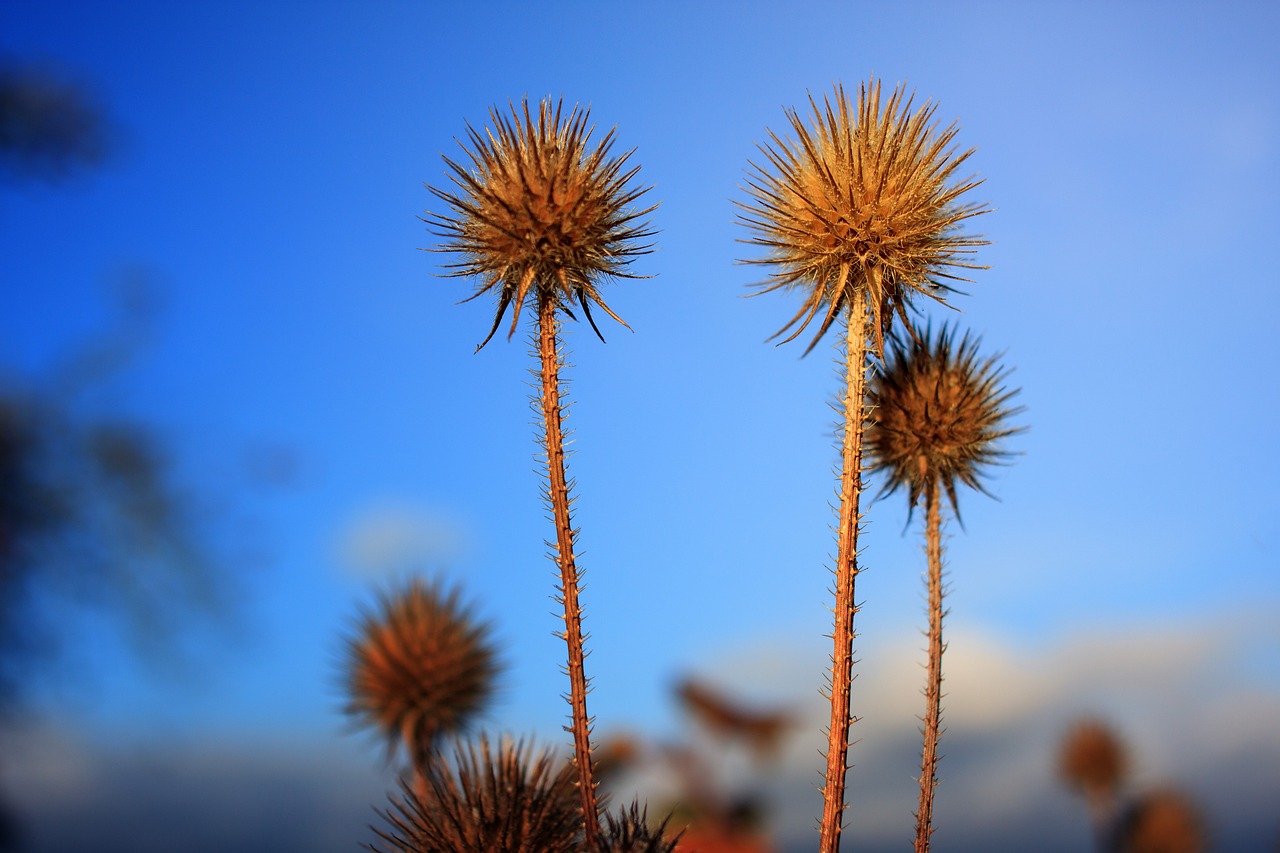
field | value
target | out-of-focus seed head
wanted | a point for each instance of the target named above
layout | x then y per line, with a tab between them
503	800
1092	759
539	209
1163	821
861	200
420	667
938	414
630	832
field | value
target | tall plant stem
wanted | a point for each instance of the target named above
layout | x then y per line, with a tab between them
558	496
933	684
846	570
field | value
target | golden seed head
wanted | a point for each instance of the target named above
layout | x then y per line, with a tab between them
861	201
503	800
937	415
420	668
540	209
1092	759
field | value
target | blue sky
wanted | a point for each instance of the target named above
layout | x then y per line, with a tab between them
269	173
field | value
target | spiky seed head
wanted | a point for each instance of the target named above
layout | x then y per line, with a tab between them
938	414
487	800
1163	821
1092	759
537	208
629	831
861	200
420	667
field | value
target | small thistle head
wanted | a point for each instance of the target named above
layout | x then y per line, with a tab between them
862	200
939	414
1092	759
488	800
539	209
630	832
1164	821
420	667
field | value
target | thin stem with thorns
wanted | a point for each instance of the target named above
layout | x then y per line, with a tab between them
846	570
559	498
933	685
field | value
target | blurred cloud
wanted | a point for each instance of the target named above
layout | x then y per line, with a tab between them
389	537
1189	722
1192	720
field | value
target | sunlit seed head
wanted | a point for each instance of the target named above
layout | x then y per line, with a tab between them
502	799
1092	759
938	415
419	668
863	199
537	208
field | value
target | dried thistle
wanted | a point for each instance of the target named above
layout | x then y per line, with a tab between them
539	210
939	416
487	801
940	413
1163	821
861	212
630	832
420	667
1093	760
861	202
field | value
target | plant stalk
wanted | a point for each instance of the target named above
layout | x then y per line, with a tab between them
846	572
933	684
558	496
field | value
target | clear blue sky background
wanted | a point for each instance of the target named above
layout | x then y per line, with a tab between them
271	170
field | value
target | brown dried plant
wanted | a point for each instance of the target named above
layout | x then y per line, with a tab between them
861	212
503	800
630	831
539	210
419	668
1093	760
1163	821
939	415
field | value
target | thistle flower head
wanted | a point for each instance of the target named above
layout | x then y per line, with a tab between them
488	800
1092	759
420	667
939	413
540	209
861	200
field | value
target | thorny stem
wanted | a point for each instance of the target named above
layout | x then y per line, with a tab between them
846	572
933	685
558	495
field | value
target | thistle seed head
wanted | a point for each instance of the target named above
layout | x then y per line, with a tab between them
488	800
538	208
860	200
1164	821
631	832
420	667
1093	760
938	415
